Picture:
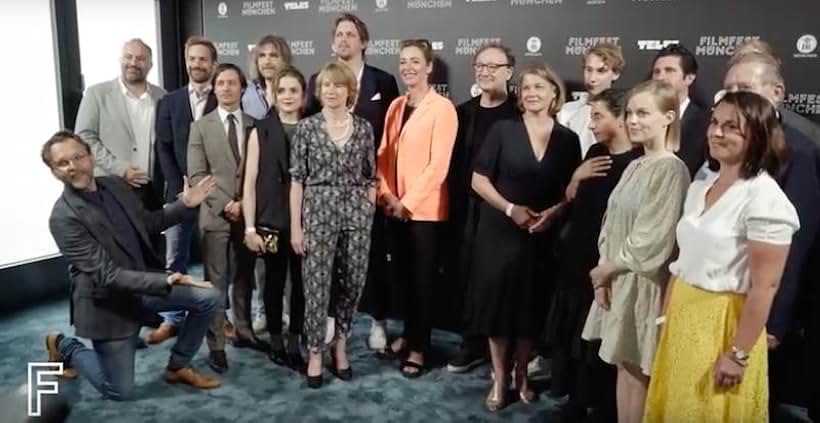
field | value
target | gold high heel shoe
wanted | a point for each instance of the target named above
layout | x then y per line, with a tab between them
496	398
526	394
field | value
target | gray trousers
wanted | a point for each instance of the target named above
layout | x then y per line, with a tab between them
227	260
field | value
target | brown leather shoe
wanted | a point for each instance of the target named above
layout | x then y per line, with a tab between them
160	334
54	356
189	376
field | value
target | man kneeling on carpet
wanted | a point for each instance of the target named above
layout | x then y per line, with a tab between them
102	230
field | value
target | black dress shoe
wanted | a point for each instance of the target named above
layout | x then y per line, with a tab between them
278	357
252	343
314	382
297	362
343	374
218	361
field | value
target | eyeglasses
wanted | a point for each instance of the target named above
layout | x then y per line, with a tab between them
65	163
492	67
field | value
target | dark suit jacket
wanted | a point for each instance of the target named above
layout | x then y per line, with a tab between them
692	149
173	125
107	281
801	184
378	89
273	174
799	122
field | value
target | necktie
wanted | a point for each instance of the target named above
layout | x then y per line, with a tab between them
233	140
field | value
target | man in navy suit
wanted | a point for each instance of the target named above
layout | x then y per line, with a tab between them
377	89
801	183
175	113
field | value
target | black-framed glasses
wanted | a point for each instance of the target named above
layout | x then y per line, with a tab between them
492	67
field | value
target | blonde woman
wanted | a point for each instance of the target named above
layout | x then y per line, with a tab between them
636	243
332	201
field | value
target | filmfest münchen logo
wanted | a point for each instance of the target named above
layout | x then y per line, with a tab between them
721	45
222	10
803	103
806	46
338	6
429	4
301	47
258	8
227	48
385	47
576	46
535	2
468	46
381	6
37	387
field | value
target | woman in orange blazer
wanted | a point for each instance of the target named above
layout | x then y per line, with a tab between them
413	158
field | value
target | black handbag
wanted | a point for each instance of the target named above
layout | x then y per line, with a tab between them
270	238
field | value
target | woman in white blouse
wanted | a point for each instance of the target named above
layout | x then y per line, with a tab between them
734	238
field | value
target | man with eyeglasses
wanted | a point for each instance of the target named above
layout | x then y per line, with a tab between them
493	66
118	283
377	89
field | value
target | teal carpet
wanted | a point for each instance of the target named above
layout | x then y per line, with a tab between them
256	390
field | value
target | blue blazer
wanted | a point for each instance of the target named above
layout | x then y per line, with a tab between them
173	124
801	184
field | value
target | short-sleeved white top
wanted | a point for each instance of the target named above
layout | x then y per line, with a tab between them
713	243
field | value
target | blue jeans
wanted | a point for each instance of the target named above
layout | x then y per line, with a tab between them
109	366
177	256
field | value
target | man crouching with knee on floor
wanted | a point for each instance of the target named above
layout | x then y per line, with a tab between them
102	230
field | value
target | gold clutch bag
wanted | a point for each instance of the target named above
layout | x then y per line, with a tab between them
270	237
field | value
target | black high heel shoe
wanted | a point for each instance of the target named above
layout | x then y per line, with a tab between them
343	374
314	382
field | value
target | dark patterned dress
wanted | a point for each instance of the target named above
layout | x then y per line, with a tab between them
337	216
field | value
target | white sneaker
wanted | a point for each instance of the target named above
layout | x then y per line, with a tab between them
260	323
330	333
539	368
378	338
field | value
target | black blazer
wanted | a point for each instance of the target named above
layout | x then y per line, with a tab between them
378	89
692	151
106	281
173	125
273	175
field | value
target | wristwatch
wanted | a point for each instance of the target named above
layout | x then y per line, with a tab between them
509	209
250	230
739	356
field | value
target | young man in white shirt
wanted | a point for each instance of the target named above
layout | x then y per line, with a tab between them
602	65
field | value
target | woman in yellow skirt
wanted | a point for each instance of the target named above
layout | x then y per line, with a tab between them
734	237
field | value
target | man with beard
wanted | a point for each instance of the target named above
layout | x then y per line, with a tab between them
377	89
116	118
117	282
270	54
175	112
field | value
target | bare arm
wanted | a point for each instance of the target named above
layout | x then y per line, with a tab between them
766	264
483	187
249	185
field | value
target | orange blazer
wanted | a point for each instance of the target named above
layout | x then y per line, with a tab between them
413	160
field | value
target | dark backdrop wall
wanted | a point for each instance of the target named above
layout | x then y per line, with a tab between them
551	31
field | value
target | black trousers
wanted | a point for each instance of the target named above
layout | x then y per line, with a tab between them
415	257
276	272
376	297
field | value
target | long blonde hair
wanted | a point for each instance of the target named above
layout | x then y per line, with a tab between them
666	99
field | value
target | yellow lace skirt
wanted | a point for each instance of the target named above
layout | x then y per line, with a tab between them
700	326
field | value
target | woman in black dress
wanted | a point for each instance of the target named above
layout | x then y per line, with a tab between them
576	368
521	174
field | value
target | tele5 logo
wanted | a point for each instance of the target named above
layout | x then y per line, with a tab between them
655	44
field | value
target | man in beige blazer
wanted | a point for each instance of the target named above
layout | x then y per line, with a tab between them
116	118
216	146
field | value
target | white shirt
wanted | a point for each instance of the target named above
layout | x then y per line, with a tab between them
683	105
141	114
198	100
713	243
240	134
575	115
